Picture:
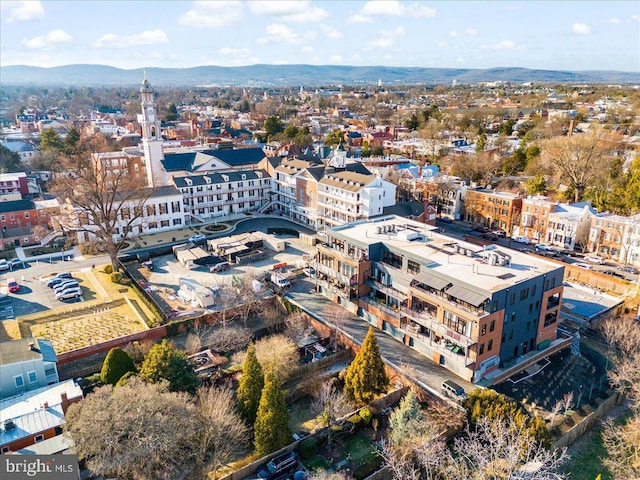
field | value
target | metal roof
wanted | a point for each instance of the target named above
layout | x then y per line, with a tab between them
430	280
466	295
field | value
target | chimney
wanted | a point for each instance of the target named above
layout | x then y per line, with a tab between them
45	405
31	345
64	401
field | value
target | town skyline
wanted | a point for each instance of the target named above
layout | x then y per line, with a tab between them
573	36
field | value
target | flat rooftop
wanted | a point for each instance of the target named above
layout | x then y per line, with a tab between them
445	256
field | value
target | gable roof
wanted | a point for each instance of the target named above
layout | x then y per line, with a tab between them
240	156
190	161
410	209
217	178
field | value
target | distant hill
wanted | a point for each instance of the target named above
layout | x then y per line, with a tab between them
295	75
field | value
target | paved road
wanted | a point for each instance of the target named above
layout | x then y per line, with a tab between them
428	373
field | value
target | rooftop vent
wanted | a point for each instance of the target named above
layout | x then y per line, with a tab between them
9	425
31	345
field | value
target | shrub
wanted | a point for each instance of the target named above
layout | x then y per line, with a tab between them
366	415
115	365
108	269
356	422
126	281
116	277
308	448
123	380
367	468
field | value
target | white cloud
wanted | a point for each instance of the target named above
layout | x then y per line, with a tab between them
635	18
331	32
148	37
290	11
440	43
386	38
234	52
453	33
470	31
507	45
336	59
614	20
390	8
307	49
581	28
21	11
278	33
49	41
460	60
212	14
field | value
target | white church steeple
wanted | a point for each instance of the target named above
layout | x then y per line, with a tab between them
151	139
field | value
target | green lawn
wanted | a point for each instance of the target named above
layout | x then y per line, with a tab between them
317	463
586	461
359	449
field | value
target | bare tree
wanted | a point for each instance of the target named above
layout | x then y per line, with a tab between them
222	432
338	317
332	404
327	475
246	298
567	402
623	446
296	327
277	352
557	407
580	160
623	335
137	431
100	201
502	449
219	338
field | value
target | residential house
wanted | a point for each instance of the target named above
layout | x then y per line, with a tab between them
492	209
616	237
17	183
466	308
535	218
37	417
26	364
26	150
17	219
569	224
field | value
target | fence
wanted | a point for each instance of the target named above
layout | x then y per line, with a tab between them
578	430
320	364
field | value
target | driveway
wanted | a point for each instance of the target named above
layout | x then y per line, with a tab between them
425	371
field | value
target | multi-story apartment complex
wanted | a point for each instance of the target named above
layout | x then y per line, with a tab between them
492	209
616	237
217	194
469	309
320	195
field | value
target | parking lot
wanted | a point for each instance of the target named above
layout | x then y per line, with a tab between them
167	271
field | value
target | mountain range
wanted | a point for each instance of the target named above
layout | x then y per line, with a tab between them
296	75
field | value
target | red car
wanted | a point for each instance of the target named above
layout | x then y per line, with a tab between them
12	285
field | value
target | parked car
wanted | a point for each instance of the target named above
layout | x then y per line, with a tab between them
544	247
65	285
309	271
453	390
148	265
197	239
15	263
4	265
75	292
489	236
586	266
628	268
283	463
500	233
445	220
594	259
220	267
58	279
12	285
480	228
523	240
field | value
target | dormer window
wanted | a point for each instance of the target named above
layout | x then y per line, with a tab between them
225	178
259	174
207	179
244	176
188	181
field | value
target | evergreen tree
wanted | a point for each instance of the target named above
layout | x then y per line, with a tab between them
164	361
366	376
50	141
71	143
407	420
115	365
251	385
172	113
273	125
9	161
271	429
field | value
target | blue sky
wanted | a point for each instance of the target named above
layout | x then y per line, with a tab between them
574	35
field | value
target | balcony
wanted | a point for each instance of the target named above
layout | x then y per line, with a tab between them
380	305
343	198
394	292
335	252
425	345
330	272
429	321
444	298
330	286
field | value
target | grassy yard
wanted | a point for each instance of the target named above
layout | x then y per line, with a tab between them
301	417
586	459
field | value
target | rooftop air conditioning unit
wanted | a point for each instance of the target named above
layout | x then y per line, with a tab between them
9	425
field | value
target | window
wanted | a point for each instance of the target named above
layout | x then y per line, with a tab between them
38	438
177	221
12	216
512	299
175	207
413	267
153	225
484	329
4	450
33	378
524	293
26	214
3	218
164	223
490	346
533	290
481	349
19	381
492	326
163	209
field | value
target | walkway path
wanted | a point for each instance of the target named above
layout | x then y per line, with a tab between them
428	374
97	286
